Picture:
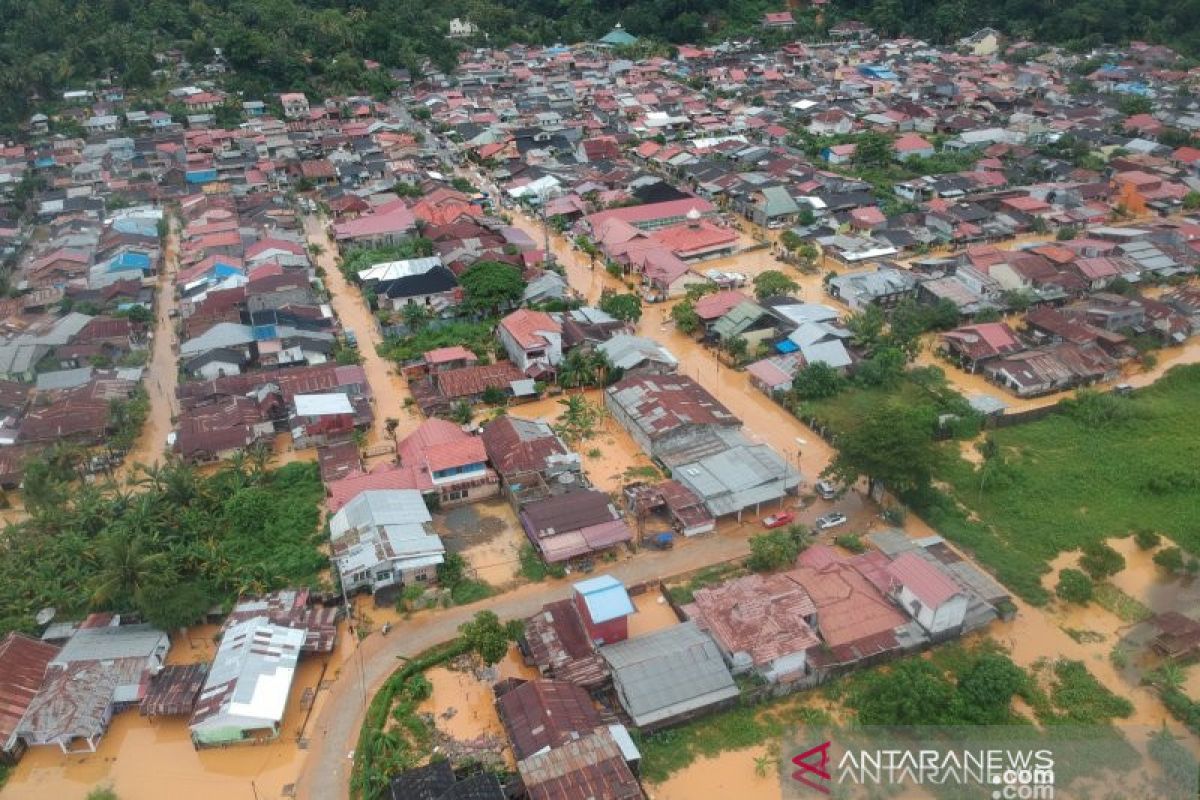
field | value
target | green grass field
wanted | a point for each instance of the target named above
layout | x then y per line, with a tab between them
1075	478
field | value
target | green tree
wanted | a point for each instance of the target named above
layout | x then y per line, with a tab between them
486	637
1191	201
684	315
737	347
1074	587
986	689
772	282
578	420
1101	561
873	149
491	286
452	570
1146	539
773	550
790	241
626	307
911	692
893	444
129	564
866	328
175	605
817	381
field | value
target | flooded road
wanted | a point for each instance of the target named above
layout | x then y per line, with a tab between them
162	371
389	390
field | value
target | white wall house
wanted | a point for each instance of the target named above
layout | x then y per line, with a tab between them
927	594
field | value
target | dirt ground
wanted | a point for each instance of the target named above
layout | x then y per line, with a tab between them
653	614
488	536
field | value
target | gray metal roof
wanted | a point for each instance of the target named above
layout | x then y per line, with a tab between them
626	351
112	642
380	507
63	379
669	672
740	476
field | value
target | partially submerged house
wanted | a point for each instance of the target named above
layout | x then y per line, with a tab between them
103	668
23	665
574	524
246	691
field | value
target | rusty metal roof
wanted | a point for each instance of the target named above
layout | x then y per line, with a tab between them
23	663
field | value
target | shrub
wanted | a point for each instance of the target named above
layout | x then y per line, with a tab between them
1074	586
772	551
1146	539
1170	559
1101	561
851	541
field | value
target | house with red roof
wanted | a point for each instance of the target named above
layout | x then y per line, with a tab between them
698	239
928	594
778	19
23	664
378	229
447	463
912	145
532	339
974	345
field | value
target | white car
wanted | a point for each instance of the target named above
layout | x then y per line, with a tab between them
826	490
831	520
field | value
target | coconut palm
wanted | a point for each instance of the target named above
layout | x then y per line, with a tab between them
129	561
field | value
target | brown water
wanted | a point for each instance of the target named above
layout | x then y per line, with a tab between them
732	774
653	614
463	704
488	536
390	391
162	372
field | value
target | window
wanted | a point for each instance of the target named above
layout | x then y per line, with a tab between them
458	494
383	575
422	577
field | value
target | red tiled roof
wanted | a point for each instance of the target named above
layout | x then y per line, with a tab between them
762	615
444	355
383	476
525	326
715	306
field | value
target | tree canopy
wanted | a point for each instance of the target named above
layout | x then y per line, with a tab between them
626	307
894	445
772	282
490	286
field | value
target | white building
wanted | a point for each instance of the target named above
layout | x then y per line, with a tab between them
246	691
929	596
531	339
381	539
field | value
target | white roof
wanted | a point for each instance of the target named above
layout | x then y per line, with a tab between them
319	405
251	675
393	270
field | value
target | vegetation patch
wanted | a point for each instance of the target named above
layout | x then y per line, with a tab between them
1103	467
682	593
1126	608
534	568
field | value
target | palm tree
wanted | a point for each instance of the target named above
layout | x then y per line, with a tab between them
128	563
575	370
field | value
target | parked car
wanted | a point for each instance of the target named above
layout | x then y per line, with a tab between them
826	490
831	520
778	520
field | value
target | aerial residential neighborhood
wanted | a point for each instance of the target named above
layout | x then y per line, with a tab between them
575	421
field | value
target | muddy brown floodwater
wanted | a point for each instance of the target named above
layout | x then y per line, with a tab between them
488	536
653	614
733	774
389	390
144	759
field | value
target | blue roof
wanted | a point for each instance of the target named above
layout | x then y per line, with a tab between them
201	176
265	332
787	346
44	161
131	259
605	597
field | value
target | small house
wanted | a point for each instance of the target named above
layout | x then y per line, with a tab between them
604	606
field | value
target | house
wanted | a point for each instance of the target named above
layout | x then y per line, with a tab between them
319	418
928	595
381	540
655	409
604	607
574	524
295	105
711	307
246	691
773	207
778	20
669	676
23	665
422	282
542	714
855	621
103	668
555	641
528	453
533	341
983	42
1052	368
379	229
217	431
973	345
439	392
834	122
761	623
912	145
747	320
884	287
586	768
447	464
637	354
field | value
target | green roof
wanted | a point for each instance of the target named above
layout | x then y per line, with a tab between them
739	319
618	36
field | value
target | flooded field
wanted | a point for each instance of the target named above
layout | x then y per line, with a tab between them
144	759
488	536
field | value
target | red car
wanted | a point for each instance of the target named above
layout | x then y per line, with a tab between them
778	520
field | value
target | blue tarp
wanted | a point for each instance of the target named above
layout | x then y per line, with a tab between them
201	176
787	346
264	333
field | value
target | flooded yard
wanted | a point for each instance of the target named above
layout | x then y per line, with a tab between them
653	613
733	774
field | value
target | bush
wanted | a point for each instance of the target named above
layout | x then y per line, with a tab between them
1074	586
1101	561
1146	539
773	550
850	541
1170	559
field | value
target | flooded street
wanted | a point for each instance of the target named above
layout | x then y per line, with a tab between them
162	371
388	389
